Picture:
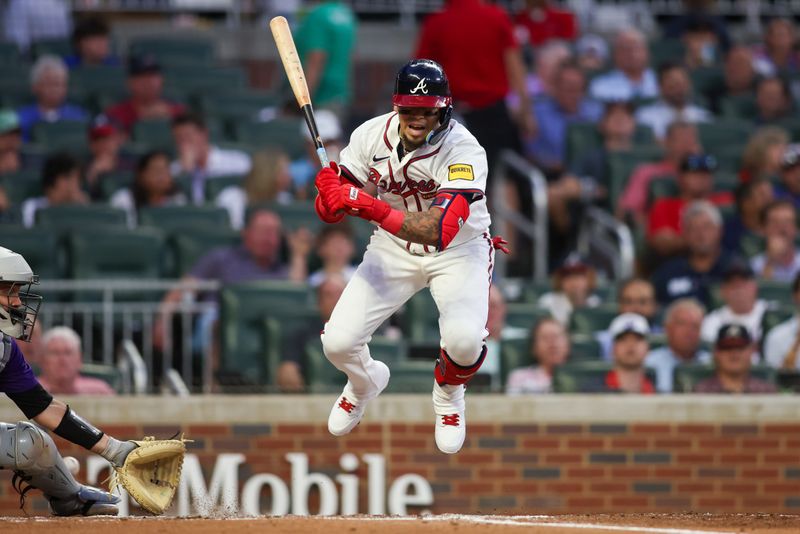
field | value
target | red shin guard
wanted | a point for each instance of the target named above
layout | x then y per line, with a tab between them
449	372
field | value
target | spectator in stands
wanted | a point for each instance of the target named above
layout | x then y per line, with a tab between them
634	295
680	141
541	22
304	169
789	185
698	12
739	78
153	185
542	81
499	331
782	342
573	286
61	182
61	362
268	180
145	85
631	78
745	225
778	55
763	153
629	333
550	348
28	22
10	142
105	142
325	42
695	182
91	43
773	100
733	354
695	274
739	292
481	69
201	160
335	247
554	114
49	79
701	43
780	261
591	53
674	103
682	323
290	372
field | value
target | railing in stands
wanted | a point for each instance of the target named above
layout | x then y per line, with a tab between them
608	242
108	314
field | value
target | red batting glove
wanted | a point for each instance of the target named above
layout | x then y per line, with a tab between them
324	214
327	183
500	244
361	204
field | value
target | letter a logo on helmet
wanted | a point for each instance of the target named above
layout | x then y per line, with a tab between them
420	87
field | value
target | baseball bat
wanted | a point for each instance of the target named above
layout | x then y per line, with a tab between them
297	79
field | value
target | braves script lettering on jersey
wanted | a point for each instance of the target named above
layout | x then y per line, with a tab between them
455	164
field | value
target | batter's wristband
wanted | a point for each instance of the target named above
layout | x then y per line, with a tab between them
393	222
77	430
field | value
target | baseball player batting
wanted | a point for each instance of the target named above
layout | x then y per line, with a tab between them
25	448
433	231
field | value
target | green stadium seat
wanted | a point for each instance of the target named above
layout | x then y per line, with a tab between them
21	185
533	289
411	377
100	86
107	253
245	340
420	319
39	246
106	373
779	293
278	133
587	321
175	51
751	245
622	164
775	316
583	137
663	50
62	135
9	54
110	183
200	80
320	374
661	188
715	136
573	377
214	186
687	376
80	217
241	104
705	79
739	106
154	134
514	353
293	216
585	348
524	314
170	218
188	245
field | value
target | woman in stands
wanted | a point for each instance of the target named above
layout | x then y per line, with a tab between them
153	185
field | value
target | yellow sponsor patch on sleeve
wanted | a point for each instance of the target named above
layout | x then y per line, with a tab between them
460	171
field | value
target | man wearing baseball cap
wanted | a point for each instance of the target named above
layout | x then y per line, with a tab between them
629	332
733	353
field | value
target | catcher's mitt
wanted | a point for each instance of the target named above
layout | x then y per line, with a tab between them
151	472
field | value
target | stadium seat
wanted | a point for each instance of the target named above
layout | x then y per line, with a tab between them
583	137
411	377
514	353
573	377
320	374
293	216
106	373
775	316
277	133
104	252
214	186
110	183
237	105
62	135
705	79
175	51
622	164
590	320
739	106
9	54
200	80
715	136
778	293
21	185
420	318
663	50
154	134
39	246
687	376
585	348
170	218
751	245
80	217
188	245
244	309
661	188
524	314
56	47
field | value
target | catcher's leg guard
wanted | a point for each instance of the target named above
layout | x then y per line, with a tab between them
33	456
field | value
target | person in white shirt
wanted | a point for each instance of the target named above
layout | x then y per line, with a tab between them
780	261
782	343
682	322
739	291
632	78
550	347
200	159
674	105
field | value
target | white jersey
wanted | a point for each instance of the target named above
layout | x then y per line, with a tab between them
457	163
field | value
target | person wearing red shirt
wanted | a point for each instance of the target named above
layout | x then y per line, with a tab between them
695	182
540	22
145	84
474	42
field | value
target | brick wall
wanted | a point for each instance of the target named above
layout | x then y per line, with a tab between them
524	468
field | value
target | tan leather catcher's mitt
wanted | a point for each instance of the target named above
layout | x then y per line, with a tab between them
151	472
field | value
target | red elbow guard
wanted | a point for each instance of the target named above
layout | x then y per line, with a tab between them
456	212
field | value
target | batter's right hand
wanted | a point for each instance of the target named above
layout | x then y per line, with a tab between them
327	183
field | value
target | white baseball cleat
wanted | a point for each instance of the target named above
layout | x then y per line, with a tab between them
348	409
451	423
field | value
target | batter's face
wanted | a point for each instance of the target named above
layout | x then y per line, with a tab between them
416	124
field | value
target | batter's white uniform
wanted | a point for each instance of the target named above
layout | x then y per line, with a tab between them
393	269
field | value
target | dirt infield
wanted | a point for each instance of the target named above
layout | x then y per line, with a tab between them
461	524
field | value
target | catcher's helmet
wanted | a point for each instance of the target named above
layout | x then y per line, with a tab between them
422	83
18	321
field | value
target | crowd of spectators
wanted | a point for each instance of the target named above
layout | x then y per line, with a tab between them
714	213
